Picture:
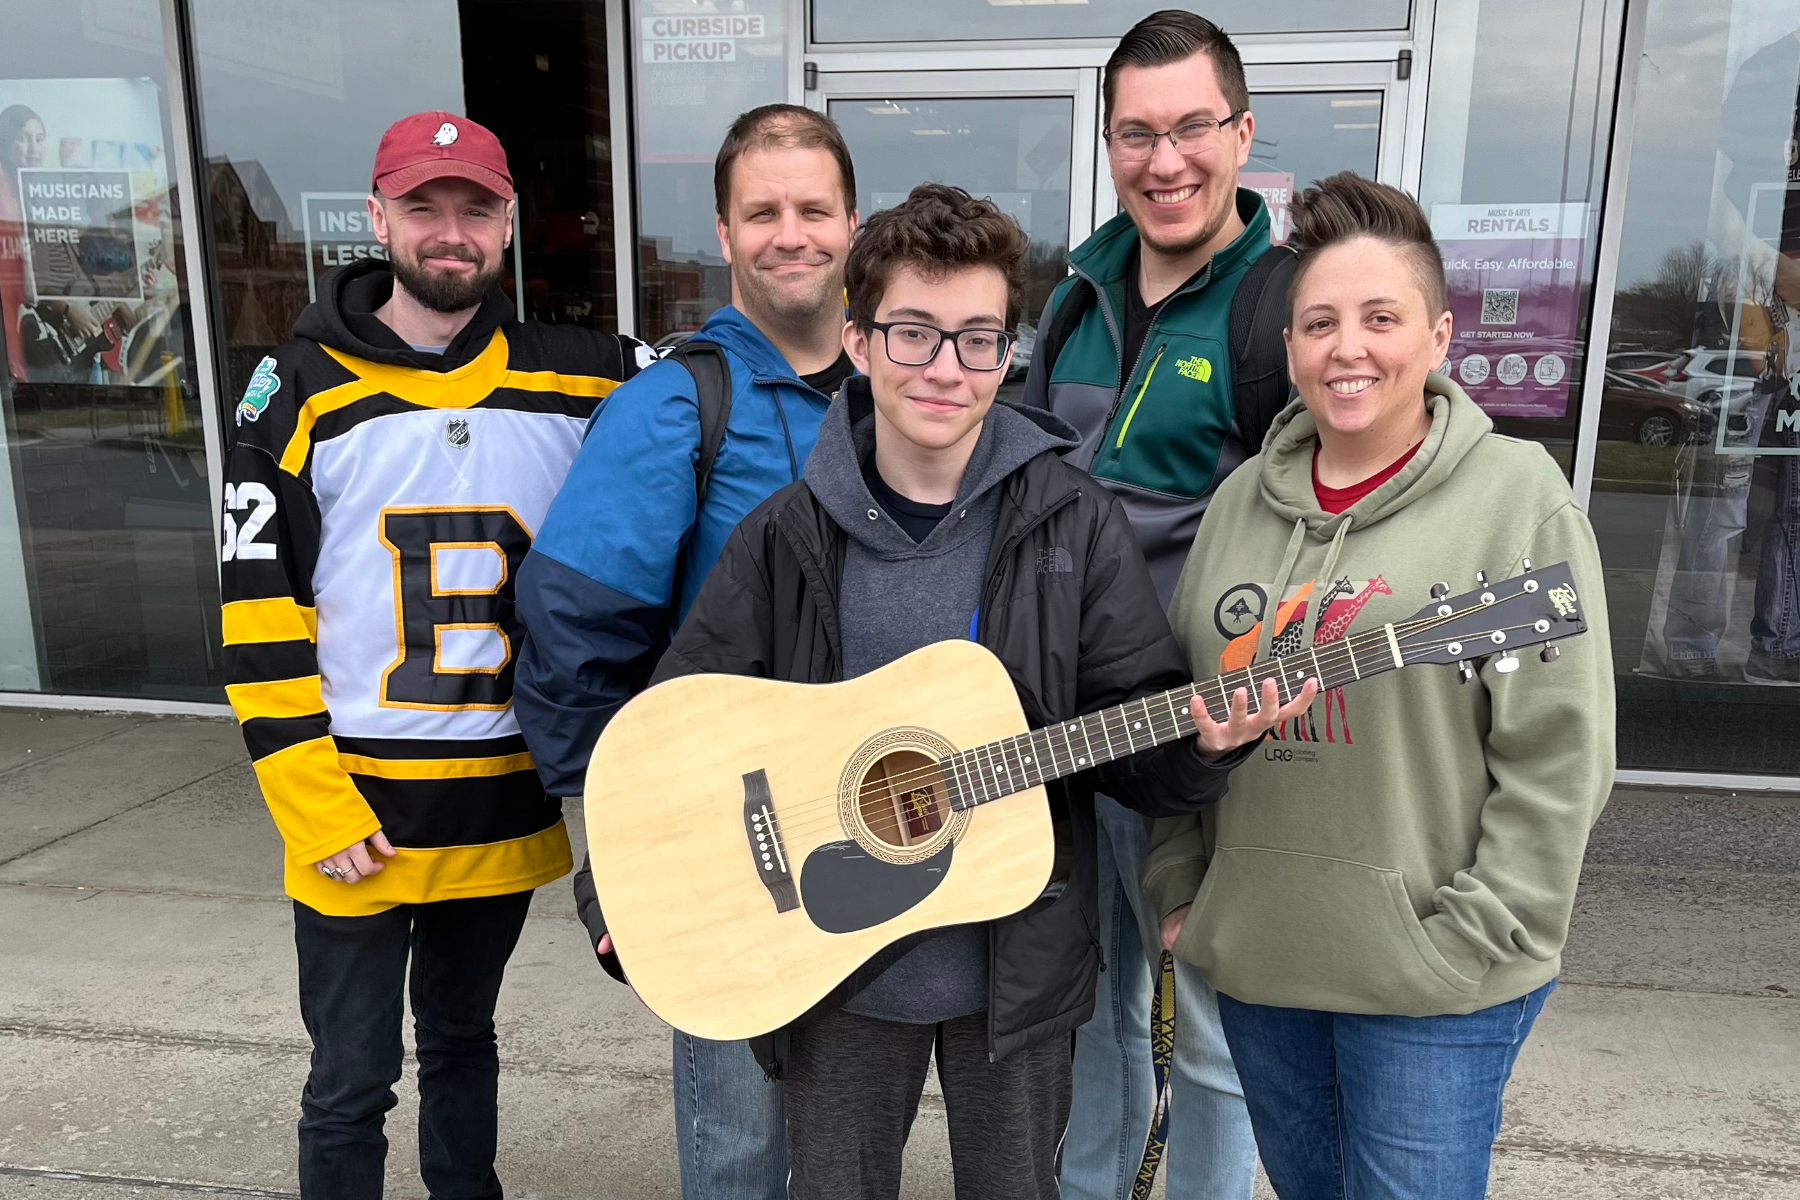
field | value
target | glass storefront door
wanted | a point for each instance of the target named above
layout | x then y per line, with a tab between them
1008	135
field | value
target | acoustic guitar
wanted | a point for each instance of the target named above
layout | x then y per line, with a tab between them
754	841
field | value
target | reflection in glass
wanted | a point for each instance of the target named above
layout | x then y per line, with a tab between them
695	70
1301	137
1696	495
1012	150
946	20
108	582
1515	159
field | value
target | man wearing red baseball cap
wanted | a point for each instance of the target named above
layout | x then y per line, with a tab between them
393	461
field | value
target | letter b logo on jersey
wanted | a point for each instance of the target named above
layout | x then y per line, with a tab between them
453	606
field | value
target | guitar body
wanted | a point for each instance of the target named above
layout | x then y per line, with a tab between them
754	842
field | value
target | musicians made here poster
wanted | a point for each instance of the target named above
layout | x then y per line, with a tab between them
1514	276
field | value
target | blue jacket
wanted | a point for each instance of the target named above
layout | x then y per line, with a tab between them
595	592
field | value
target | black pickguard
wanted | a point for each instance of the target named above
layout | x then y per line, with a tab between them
844	888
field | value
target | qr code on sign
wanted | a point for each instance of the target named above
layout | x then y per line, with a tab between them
1499	306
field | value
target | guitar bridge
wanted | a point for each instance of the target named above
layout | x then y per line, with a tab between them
766	851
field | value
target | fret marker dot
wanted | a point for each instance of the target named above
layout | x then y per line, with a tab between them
1139	725
1081	760
1028	758
999	770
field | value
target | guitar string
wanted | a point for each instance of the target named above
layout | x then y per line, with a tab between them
824	812
809	816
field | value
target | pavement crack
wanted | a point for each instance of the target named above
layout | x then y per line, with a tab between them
66	750
291	1048
1694	1161
59	839
139	1181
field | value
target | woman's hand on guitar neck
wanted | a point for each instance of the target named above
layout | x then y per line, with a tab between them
605	945
1215	739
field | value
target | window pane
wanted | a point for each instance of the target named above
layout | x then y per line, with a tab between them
1515	160
108	580
1014	151
1697	473
953	20
1301	137
695	71
290	141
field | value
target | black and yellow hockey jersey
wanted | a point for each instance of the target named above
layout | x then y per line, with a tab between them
378	503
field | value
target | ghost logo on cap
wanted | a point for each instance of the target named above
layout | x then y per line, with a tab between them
445	135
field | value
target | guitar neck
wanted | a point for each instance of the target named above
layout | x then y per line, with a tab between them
997	769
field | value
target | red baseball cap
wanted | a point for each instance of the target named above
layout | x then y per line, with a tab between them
432	145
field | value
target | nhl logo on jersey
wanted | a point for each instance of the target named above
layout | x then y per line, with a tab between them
456	432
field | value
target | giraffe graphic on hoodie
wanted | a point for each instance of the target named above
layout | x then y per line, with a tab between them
1341	603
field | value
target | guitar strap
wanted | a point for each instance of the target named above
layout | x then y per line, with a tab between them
1162	1055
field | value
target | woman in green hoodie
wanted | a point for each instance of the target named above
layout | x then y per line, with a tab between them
1381	901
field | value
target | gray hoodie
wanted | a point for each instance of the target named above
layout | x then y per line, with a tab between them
898	595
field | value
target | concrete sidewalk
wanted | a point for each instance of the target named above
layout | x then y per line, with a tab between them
149	1042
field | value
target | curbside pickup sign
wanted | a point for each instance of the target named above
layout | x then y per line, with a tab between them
697	38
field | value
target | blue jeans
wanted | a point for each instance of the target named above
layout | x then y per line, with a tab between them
1775	626
1351	1107
1212	1153
730	1139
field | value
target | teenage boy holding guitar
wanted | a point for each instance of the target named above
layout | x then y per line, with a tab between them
927	513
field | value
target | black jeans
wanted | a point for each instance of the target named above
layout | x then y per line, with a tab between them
352	970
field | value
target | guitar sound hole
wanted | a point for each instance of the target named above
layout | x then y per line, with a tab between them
902	800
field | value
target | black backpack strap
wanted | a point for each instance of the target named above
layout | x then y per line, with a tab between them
1050	341
706	362
1260	388
712	387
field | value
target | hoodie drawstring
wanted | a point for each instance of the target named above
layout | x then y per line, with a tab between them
1272	603
1315	612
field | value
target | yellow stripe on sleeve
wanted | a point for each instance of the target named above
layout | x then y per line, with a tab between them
276	698
293	458
280	619
315	806
434	768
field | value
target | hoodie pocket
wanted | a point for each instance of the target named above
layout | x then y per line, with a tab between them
1309	931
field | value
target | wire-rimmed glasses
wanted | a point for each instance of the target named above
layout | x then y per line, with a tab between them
1192	139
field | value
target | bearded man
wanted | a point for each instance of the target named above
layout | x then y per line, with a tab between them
393	461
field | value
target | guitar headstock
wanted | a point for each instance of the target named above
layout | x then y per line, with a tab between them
1536	608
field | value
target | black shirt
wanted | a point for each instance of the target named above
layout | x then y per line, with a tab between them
1139	315
918	520
831	378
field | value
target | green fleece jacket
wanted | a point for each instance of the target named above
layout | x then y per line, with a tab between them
1413	844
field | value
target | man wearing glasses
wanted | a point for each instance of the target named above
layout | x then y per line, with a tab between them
928	512
1166	406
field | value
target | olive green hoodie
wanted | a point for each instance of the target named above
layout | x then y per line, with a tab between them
1411	846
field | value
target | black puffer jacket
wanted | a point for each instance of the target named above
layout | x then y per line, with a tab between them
1068	607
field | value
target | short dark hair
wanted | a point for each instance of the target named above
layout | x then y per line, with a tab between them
1346	206
781	126
1171	36
937	229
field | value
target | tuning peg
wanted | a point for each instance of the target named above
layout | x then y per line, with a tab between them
1549	653
1439	590
1506	664
1465	672
1481	579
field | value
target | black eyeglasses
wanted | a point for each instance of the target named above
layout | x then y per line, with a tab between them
1192	140
910	344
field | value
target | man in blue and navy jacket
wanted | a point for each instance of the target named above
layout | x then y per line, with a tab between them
626	546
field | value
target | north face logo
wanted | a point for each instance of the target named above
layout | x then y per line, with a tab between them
1055	561
1195	368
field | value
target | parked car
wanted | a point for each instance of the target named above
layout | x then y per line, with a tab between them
1732	372
1634	410
1661	367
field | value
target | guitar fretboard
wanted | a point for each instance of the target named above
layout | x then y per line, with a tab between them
989	772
